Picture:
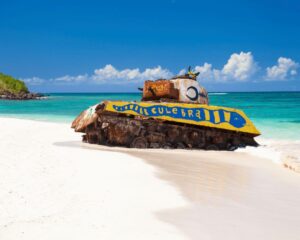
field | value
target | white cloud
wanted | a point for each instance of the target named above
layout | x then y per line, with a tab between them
284	69
239	67
112	75
59	80
108	74
181	72
33	81
154	73
207	72
68	78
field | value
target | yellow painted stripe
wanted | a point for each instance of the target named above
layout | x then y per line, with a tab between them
247	128
217	116
207	116
227	116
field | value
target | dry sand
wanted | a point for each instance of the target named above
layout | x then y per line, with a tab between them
54	187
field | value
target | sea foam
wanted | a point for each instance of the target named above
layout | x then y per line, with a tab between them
284	152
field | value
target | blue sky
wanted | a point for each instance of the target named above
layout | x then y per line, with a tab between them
67	46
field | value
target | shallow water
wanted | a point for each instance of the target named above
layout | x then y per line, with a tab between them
276	114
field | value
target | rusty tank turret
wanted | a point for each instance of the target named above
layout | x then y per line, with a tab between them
173	113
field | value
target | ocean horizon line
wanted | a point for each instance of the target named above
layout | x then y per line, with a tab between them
297	91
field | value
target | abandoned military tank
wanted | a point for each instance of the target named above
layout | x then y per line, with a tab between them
173	113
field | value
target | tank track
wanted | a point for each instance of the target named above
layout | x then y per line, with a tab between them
137	132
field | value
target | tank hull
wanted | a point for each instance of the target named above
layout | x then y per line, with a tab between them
166	125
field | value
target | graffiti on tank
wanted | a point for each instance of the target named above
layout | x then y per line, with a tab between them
197	114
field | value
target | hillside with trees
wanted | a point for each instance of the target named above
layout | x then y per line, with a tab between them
14	89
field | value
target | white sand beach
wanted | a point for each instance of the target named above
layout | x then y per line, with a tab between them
52	186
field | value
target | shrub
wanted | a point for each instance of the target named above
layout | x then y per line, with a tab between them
11	85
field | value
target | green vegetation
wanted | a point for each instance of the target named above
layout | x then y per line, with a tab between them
11	85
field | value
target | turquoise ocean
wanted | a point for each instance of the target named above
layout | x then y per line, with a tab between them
276	114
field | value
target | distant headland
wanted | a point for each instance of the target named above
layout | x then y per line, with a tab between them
14	89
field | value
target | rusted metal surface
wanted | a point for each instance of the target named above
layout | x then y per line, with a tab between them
119	130
187	113
154	90
102	126
190	91
183	90
84	119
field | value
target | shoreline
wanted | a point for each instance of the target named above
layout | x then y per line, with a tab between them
278	151
53	186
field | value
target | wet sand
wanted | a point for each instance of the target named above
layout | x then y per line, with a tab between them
231	195
52	186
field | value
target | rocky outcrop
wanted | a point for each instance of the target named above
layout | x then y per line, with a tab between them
21	96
